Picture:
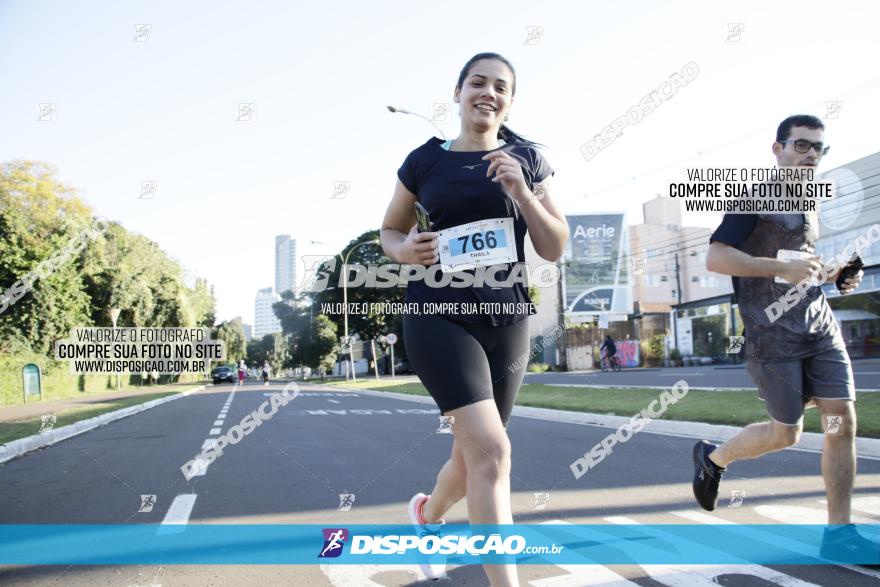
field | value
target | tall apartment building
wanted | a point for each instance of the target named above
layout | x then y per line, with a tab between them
285	263
265	321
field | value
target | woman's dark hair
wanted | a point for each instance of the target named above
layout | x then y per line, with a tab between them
504	132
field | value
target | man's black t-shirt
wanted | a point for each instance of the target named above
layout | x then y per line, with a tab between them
734	230
454	189
778	324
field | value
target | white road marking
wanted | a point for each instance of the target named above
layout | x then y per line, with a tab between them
334	401
362	575
792	545
582	575
219	422
867	504
200	467
209	443
701	518
214	431
687	575
793	514
178	513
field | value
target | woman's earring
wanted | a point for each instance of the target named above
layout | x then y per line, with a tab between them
506	117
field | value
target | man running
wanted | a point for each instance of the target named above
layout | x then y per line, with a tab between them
799	359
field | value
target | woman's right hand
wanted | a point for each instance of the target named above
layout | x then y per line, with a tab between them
420	248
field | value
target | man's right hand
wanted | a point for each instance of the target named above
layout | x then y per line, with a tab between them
420	248
796	270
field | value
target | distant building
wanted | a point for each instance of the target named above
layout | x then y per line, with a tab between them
285	263
265	321
248	331
656	246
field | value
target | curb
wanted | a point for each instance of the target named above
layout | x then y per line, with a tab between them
17	448
695	387
867	448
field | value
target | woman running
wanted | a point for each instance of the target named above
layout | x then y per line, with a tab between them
482	192
242	372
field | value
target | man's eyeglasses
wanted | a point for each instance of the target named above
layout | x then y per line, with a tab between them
803	146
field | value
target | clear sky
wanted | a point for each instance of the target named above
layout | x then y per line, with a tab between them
161	106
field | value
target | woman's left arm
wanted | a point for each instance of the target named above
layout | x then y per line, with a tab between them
548	228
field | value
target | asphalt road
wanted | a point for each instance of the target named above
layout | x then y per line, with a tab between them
866	373
326	442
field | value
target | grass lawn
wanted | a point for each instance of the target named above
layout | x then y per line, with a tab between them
19	429
736	408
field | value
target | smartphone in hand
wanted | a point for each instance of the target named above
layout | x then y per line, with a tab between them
851	269
422	218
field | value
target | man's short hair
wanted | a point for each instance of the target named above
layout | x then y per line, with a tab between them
807	120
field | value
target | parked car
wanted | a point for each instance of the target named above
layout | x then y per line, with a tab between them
402	368
221	374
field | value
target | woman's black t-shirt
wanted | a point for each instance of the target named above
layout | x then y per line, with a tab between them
454	189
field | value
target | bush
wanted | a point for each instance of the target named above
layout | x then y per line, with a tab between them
58	382
538	367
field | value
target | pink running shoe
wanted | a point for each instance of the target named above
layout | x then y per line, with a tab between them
432	571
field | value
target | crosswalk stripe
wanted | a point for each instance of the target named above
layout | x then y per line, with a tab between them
177	516
686	575
867	504
793	514
780	541
582	575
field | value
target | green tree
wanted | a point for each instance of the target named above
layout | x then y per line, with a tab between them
322	346
39	219
367	326
231	333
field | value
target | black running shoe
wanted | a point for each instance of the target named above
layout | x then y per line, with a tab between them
707	476
845	544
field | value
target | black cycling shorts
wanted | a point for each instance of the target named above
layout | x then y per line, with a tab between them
461	363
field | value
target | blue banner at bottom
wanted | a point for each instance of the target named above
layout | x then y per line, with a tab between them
524	544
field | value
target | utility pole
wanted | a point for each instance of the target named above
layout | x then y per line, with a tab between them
561	341
677	279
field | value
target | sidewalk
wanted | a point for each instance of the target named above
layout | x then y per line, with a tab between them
27	411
